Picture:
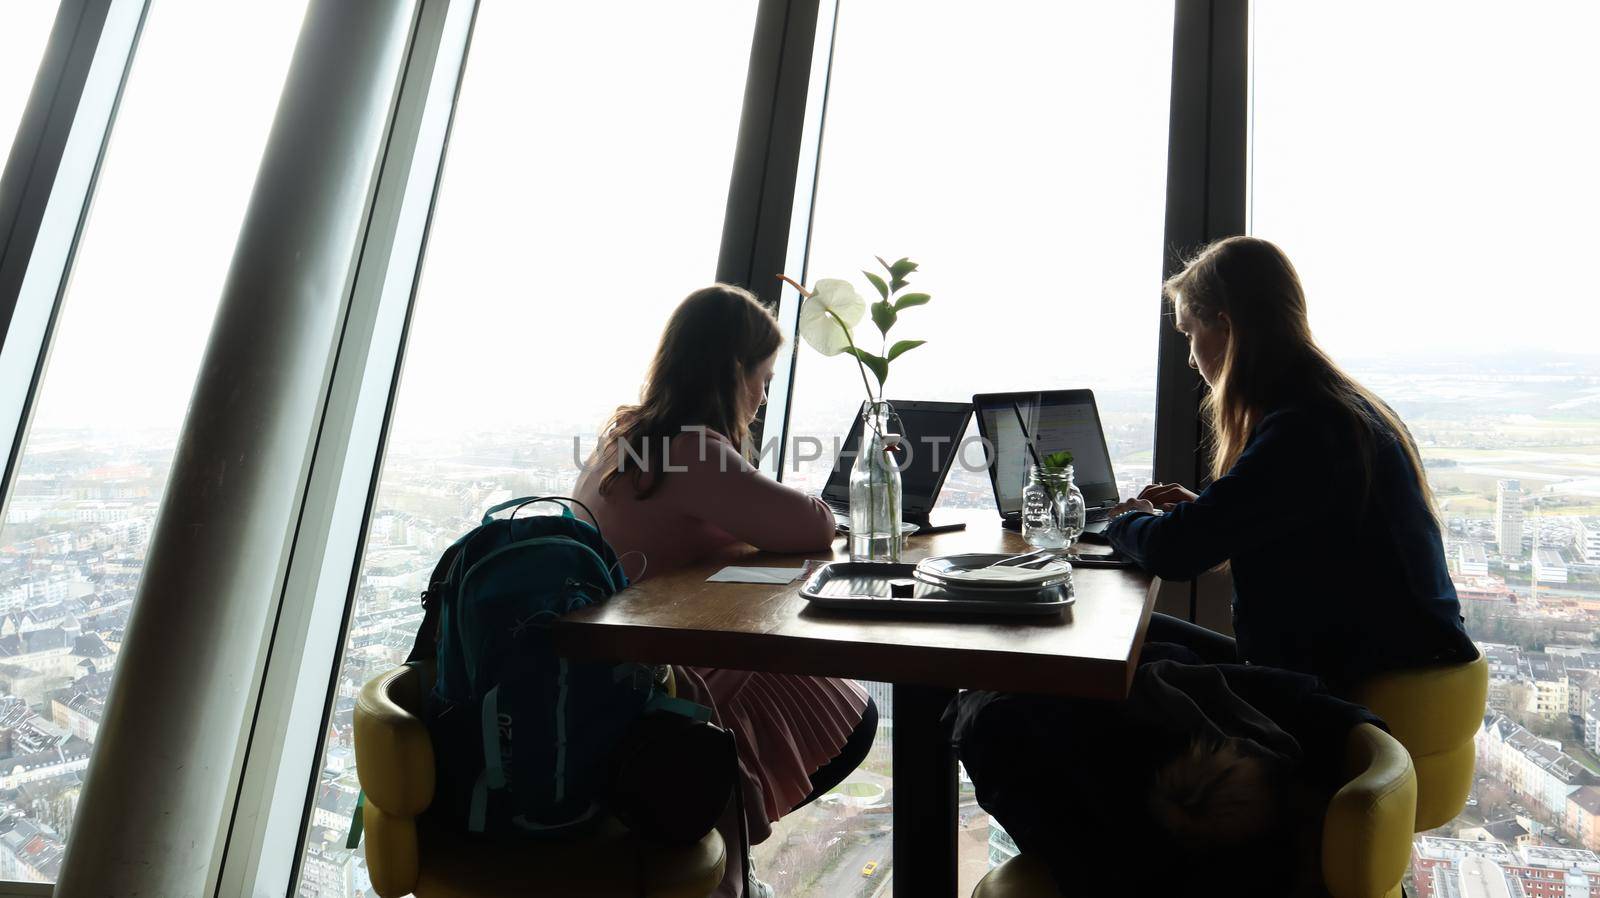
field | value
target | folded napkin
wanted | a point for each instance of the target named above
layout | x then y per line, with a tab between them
740	574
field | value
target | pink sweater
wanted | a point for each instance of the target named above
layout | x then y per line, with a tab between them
716	499
786	727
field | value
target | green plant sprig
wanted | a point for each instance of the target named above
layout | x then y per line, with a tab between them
885	313
1057	461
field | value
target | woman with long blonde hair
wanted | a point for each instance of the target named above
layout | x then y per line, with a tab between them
1318	503
671	483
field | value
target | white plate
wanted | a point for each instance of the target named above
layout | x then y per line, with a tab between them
972	572
991	589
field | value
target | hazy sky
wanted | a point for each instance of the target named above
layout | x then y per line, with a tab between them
1432	177
582	198
1018	156
1430	168
177	174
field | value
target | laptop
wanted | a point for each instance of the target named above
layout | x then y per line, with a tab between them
933	430
1054	420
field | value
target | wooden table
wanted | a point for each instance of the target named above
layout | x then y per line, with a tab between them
1087	651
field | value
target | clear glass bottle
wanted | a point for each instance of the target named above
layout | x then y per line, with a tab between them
875	488
1052	508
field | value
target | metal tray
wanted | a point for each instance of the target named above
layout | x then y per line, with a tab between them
864	586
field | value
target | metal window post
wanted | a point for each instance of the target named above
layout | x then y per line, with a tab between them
45	189
1207	146
278	787
1207	151
159	790
766	231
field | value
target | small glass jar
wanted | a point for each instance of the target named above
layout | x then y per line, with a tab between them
1052	508
875	489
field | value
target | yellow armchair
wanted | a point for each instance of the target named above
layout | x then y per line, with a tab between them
1435	712
408	856
1366	836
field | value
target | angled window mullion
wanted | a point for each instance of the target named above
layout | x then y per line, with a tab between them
278	787
1207	145
45	191
166	782
766	228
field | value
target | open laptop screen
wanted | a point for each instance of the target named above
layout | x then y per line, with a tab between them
1057	420
933	430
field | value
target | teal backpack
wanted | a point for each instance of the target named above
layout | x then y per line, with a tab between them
524	738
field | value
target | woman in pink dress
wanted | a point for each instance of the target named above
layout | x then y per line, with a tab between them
669	485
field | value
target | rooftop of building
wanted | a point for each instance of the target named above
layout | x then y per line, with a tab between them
1587	798
1439	847
1560	858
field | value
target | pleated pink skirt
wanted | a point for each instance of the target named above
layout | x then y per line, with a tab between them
786	726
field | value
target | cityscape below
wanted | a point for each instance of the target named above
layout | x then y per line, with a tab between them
1512	450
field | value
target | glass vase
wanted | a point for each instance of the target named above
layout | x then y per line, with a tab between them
875	488
1052	508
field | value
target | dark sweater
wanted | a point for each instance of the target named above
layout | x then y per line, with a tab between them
1079	782
1328	578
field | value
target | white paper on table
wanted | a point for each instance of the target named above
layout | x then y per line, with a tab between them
737	574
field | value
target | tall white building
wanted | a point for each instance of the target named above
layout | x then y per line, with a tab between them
1589	540
1508	518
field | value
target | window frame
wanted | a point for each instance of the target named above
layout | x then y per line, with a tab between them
313	237
46	183
43	203
767	227
277	792
45	191
338	575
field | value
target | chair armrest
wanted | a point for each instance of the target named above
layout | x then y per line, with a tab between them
394	859
1430	709
394	756
1366	836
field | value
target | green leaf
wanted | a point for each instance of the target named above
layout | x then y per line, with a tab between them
877	364
911	299
902	268
883	289
1053	460
883	315
903	347
886	266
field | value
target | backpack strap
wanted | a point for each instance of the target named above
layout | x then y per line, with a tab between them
478	813
426	646
566	509
561	730
515	504
494	771
358	822
738	804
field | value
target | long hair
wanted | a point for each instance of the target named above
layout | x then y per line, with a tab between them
717	335
1271	356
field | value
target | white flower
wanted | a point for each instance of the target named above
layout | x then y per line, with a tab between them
822	330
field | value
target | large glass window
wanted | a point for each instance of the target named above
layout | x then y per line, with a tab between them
24	31
1429	167
1018	153
182	158
1019	156
582	198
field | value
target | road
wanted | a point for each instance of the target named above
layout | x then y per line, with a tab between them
844	880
